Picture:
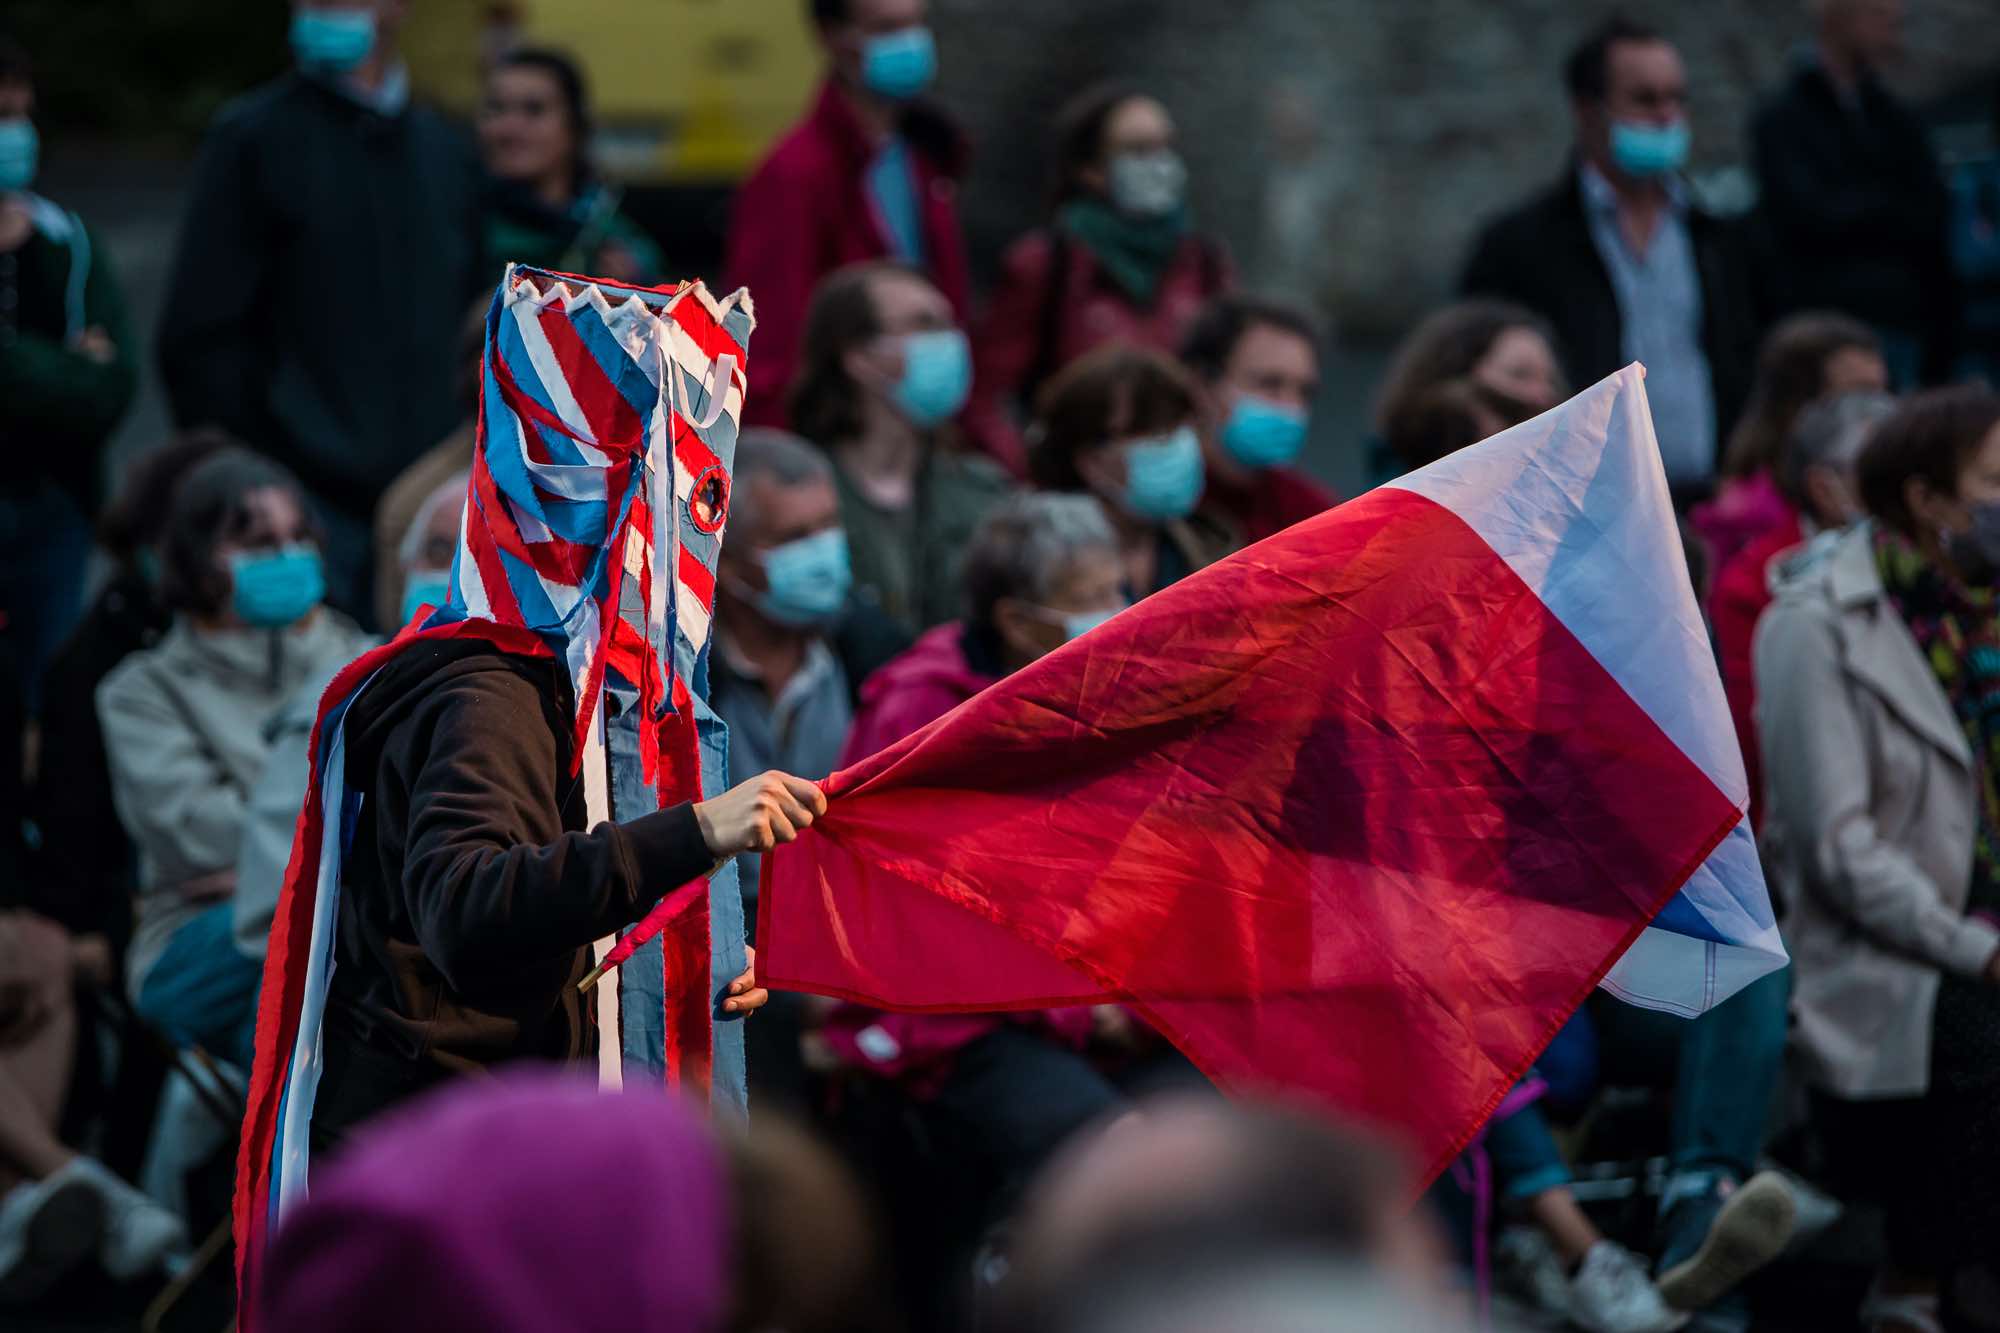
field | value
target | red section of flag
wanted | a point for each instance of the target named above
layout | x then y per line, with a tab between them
1350	813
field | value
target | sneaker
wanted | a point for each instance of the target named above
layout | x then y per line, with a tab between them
47	1227
1750	1229
1611	1294
139	1235
1526	1264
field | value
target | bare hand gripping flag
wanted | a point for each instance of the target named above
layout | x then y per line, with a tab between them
600	488
1363	811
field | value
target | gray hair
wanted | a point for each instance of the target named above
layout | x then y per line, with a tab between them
1026	545
1830	433
785	458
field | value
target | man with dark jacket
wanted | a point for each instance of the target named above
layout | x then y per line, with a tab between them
869	173
330	249
1854	195
1619	259
68	367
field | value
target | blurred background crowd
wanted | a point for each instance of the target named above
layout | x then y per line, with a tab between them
1056	304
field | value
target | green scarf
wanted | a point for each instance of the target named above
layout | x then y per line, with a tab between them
1134	251
1958	632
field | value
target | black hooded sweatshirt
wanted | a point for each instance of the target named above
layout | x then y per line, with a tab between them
472	889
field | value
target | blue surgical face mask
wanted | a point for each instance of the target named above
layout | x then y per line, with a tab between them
1649	150
424	587
898	65
807	580
1163	477
1148	185
937	376
276	588
1076	624
332	41
1260	433
20	153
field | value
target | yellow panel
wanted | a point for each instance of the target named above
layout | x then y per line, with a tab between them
683	90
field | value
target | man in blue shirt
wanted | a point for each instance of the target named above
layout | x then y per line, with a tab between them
1622	261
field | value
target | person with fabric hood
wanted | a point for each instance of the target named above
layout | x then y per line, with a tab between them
1854	195
883	368
184	730
1878	671
1622	261
1258	364
1118	261
68	370
1122	425
547	206
870	173
330	245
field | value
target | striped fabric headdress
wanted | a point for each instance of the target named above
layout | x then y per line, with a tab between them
591	528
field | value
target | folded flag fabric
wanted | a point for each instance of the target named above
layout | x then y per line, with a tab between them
1363	811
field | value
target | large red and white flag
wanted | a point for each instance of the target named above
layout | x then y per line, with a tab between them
1363	811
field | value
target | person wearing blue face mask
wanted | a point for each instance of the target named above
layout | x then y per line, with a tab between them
879	166
68	371
1122	425
1624	263
330	168
1258	364
187	730
1119	259
883	369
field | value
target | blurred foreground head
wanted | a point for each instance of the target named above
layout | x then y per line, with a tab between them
533	1202
1206	1187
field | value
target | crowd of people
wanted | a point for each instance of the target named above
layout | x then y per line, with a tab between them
935	488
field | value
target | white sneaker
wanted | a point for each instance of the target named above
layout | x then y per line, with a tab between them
47	1227
1526	1263
139	1235
1612	1294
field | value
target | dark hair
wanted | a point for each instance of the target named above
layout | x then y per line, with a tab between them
573	91
1446	346
1119	389
136	516
207	510
1211	340
1791	372
826	13
1080	126
1930	437
825	403
1446	418
15	67
1587	72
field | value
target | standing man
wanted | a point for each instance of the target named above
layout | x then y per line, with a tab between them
66	377
1618	258
1258	363
326	263
870	173
1854	194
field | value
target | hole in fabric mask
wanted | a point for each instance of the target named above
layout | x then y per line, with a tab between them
708	505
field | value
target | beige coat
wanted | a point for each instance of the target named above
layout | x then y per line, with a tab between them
1873	804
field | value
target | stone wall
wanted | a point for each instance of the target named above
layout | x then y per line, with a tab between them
1349	148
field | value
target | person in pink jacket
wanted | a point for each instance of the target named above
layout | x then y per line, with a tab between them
1042	570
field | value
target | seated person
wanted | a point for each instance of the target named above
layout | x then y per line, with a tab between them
1121	425
185	729
1042	570
57	1207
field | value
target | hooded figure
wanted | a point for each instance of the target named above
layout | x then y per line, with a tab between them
530	768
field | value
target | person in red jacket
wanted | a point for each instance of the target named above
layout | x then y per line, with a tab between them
1043	569
1258	364
1815	477
1118	261
869	173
